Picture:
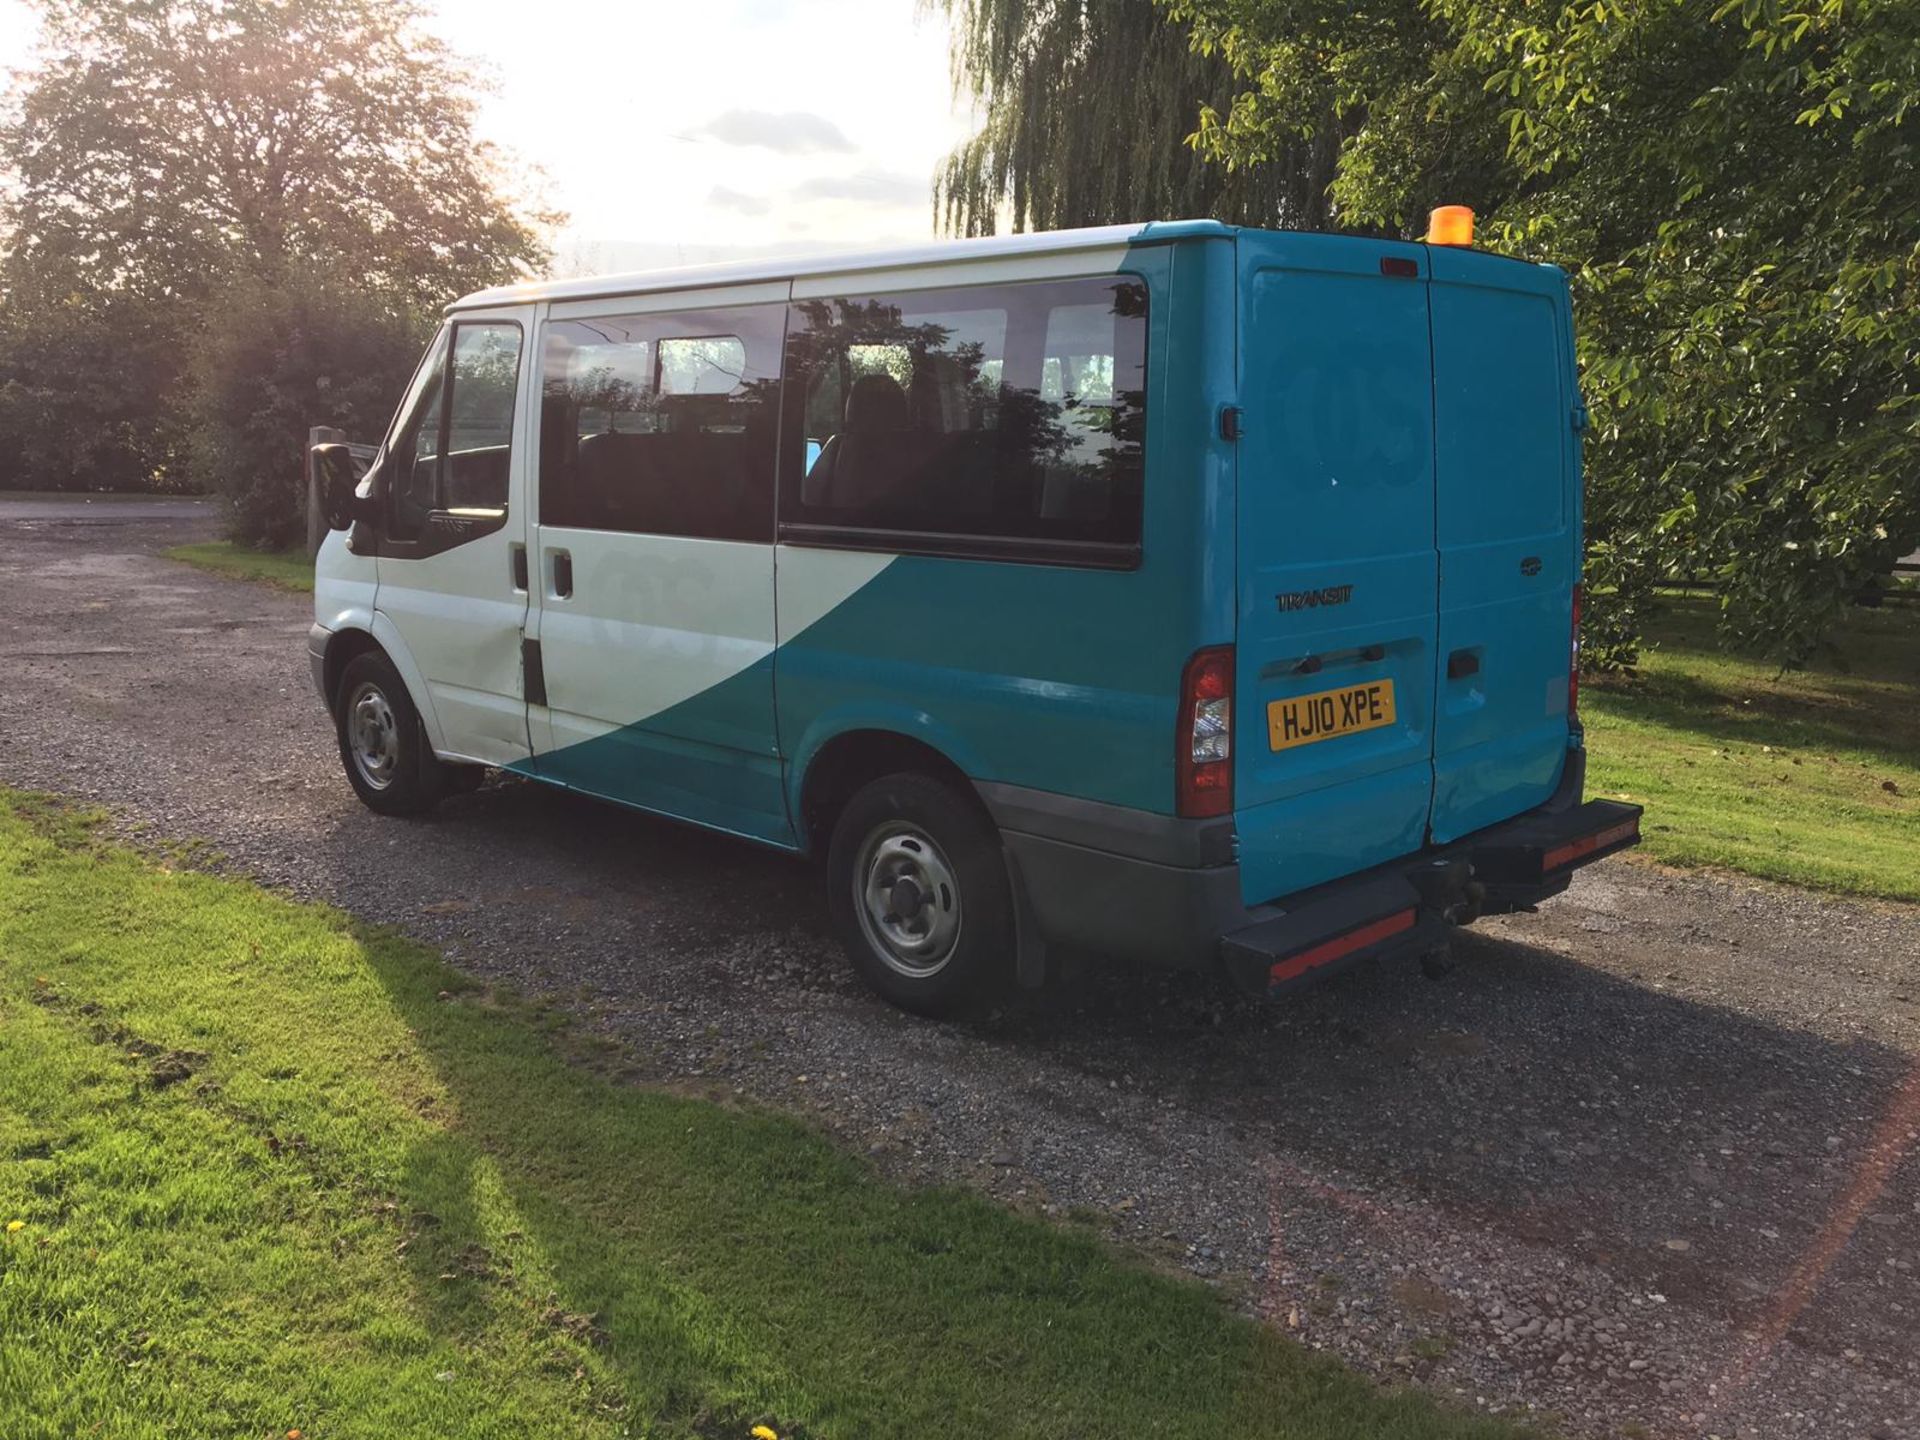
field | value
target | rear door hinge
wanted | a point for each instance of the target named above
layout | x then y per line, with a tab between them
1580	418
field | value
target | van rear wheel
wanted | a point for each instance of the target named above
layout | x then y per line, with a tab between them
382	743
918	889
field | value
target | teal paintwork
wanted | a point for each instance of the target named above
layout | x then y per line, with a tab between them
1038	675
1507	463
672	765
1335	490
1405	436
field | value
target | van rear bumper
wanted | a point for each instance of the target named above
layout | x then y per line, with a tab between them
1411	905
1166	892
1121	882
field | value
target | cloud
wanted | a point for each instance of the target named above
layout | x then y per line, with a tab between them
721	198
868	187
794	132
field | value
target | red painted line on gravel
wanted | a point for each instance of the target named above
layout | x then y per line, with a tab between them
1884	1152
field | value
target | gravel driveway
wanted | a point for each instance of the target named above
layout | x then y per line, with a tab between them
1646	1162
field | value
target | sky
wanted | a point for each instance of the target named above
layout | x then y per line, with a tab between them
680	131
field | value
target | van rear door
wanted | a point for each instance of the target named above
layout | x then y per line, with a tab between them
1506	462
1334	687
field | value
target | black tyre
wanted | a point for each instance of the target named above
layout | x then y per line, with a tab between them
918	889
382	743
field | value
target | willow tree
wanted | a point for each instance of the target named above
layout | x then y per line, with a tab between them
1089	107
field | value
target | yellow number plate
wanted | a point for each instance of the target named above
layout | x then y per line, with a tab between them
1307	718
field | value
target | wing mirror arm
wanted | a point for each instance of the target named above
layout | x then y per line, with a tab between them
346	494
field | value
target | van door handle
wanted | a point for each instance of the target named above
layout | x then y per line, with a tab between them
562	575
517	555
1462	663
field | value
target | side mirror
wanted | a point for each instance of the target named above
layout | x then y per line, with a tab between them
339	473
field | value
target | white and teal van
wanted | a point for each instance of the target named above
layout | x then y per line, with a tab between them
1194	594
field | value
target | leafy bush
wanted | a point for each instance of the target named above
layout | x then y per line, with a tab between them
275	361
83	396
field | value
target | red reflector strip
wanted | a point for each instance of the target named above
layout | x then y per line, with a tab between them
1587	844
1329	950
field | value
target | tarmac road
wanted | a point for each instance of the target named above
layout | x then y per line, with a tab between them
1647	1159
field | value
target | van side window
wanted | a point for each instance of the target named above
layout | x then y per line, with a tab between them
1005	421
456	459
662	424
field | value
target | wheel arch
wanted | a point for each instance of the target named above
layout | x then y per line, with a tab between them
838	765
380	635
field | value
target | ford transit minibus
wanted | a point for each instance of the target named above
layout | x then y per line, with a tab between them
1200	595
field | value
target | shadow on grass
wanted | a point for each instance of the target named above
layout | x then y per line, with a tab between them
1855	696
705	1265
1827	723
1535	1097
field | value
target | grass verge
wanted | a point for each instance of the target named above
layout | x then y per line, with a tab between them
1811	777
279	1172
288	569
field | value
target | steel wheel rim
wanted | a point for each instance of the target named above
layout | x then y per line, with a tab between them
907	896
373	736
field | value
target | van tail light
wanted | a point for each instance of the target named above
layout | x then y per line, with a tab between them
1203	753
1573	664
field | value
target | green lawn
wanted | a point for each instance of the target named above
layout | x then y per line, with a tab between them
278	1172
289	569
1811	777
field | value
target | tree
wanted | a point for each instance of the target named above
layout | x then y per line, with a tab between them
172	160
84	394
1088	105
166	146
273	361
1732	186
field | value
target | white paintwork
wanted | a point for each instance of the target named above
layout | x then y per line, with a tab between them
918	259
963	270
653	621
766	292
813	582
343	585
383	630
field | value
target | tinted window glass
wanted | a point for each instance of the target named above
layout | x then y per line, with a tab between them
486	373
662	424
413	459
1010	413
476	437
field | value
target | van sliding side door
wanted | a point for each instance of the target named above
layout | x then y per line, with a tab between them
651	554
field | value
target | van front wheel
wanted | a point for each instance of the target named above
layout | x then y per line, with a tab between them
919	893
382	744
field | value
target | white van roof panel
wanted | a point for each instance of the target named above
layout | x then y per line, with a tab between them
934	253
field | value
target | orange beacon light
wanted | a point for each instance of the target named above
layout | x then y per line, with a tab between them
1450	225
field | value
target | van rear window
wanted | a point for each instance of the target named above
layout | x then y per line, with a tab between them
1005	421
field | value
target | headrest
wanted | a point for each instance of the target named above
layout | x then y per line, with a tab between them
876	402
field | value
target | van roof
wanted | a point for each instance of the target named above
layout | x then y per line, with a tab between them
940	252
